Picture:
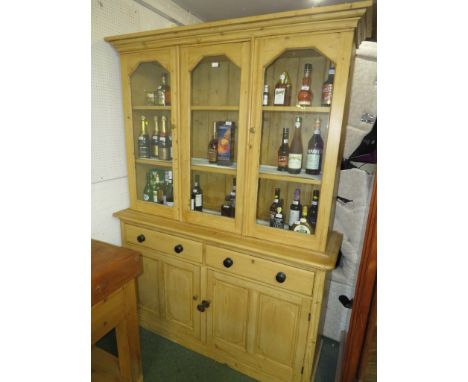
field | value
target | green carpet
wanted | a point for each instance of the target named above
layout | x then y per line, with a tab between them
166	361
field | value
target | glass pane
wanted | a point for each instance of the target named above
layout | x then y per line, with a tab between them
294	137
152	136
213	145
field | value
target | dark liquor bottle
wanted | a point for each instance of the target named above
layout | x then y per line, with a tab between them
213	147
226	208
278	221
283	151
315	151
232	195
282	91
148	191
313	211
304	96
302	226
155	140
295	208
327	88
169	194
266	96
164	149
144	139
274	206
163	92
196	200
295	151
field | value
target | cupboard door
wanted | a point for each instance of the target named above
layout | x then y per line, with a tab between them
180	286
148	288
151	117
214	104
307	61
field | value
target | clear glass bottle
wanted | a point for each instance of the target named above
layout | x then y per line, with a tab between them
155	139
304	97
213	147
327	88
196	201
266	96
283	151
282	95
315	151
163	92
164	149
302	226
274	206
295	208
144	139
296	150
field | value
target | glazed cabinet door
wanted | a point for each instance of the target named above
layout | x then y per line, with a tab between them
214	104
257	325
150	100
296	135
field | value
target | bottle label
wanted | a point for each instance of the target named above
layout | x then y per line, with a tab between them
283	161
327	94
313	159
192	204
146	197
305	103
280	94
198	200
212	155
293	217
305	87
302	229
265	100
162	140
295	161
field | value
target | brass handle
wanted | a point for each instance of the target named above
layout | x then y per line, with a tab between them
252	130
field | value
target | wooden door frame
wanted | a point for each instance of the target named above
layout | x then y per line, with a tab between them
365	293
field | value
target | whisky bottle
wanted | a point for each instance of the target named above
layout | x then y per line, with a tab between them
278	221
302	226
163	92
313	211
295	208
304	97
282	91
327	88
266	96
144	140
213	147
164	148
315	151
295	151
283	151
148	191
274	206
155	140
169	189
196	201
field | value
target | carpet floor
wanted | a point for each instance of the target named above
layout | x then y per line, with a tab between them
166	361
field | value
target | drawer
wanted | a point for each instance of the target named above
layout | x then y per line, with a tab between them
269	272
171	245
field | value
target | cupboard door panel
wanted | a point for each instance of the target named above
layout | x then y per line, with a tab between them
148	290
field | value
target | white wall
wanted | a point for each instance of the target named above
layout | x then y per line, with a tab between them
109	182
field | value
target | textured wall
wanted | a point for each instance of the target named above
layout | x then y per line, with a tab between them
109	182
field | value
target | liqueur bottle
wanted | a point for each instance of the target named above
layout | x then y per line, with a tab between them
164	149
196	201
163	92
315	151
266	96
304	97
148	191
282	91
213	147
144	140
169	194
274	206
302	226
283	151
155	140
295	151
278	221
313	211
295	208
327	88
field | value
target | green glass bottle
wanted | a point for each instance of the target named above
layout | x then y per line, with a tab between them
148	191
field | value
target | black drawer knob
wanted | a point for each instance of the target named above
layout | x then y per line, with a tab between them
280	277
141	238
204	304
178	248
228	262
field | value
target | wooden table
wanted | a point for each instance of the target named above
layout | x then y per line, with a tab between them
113	305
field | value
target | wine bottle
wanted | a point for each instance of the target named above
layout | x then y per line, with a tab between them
226	207
163	92
155	140
302	226
327	87
157	190
274	206
148	191
295	151
282	91
295	208
169	189
283	151
315	151
304	97
197	195
313	211
213	147
143	140
266	96
164	148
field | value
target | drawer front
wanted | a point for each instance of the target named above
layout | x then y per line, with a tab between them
279	275
171	245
